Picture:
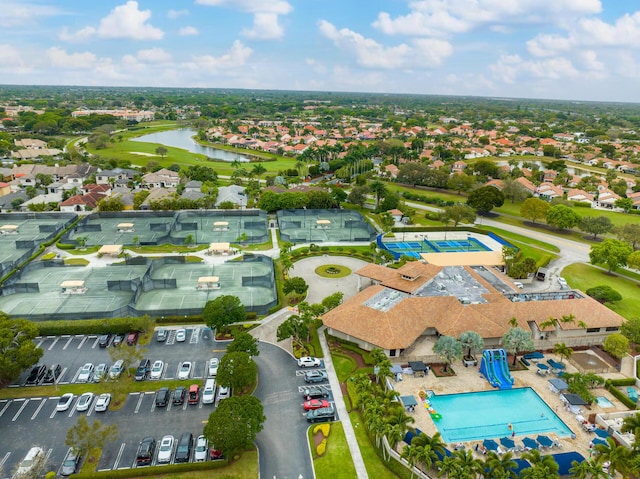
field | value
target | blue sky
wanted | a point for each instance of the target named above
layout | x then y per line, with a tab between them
565	49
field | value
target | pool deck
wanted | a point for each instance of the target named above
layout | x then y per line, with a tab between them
469	380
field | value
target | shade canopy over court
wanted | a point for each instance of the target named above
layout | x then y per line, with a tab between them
219	248
111	250
208	282
9	229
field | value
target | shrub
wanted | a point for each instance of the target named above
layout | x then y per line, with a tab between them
317	429
325	428
65	245
322	447
619	395
153	471
87	326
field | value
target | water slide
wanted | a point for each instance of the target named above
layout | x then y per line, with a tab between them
494	367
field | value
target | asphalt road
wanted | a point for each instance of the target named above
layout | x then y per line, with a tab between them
283	445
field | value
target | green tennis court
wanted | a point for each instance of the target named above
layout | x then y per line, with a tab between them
323	226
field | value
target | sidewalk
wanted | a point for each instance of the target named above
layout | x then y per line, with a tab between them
338	399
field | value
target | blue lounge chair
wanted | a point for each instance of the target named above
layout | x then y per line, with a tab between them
632	393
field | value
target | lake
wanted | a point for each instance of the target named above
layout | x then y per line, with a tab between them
183	139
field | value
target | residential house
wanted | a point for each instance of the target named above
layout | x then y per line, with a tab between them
157	194
7	201
232	193
108	177
606	198
528	185
391	171
548	191
580	196
160	179
5	188
193	185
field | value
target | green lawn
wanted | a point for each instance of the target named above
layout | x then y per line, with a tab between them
584	276
345	366
336	463
515	237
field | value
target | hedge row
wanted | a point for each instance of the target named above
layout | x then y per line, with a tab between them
153	470
619	395
430	200
87	326
418	229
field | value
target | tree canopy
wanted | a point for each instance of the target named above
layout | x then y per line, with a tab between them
604	293
534	209
17	349
612	252
85	436
598	225
485	198
458	214
237	370
562	217
244	342
222	311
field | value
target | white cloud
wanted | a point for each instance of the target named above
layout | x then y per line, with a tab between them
59	58
188	31
124	21
422	53
445	17
23	13
265	27
173	14
10	57
237	56
511	68
266	14
154	55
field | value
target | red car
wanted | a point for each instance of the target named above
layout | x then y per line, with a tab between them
215	454
315	404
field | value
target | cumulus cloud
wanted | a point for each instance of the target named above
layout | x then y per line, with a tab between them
266	14
445	17
235	57
16	14
173	14
58	57
154	55
188	31
10	57
511	68
124	21
421	53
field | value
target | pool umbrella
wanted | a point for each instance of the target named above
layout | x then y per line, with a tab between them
601	433
543	366
508	443
597	440
544	441
530	443
490	444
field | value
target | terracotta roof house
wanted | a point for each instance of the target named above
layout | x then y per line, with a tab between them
530	187
418	302
580	196
391	170
548	191
606	198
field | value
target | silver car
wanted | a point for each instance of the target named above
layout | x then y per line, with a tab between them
185	370
99	372
84	403
85	373
102	403
202	445
165	451
156	370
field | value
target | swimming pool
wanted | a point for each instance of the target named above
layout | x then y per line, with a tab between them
488	414
604	402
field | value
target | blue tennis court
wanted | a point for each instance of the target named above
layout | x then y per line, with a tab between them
413	249
458	246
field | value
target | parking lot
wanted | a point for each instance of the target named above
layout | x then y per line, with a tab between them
35	421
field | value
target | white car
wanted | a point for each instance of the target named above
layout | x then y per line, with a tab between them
64	402
213	367
30	462
84	402
102	403
185	370
309	362
99	372
181	335
518	284
156	370
85	373
116	369
165	451
202	445
223	393
562	282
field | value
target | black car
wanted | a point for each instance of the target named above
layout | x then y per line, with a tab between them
179	394
103	341
314	392
145	451
37	374
53	374
162	397
117	340
322	414
183	451
143	370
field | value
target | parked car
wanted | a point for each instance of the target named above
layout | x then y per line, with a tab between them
223	393
322	414
165	451
104	340
181	335
146	449
118	339
37	374
563	283
215	454
315	376
102	403
315	404
116	369
518	284
30	462
161	335
156	370
200	453
132	338
162	397
143	370
64	402
183	450
53	373
70	463
99	372
309	362
185	370
209	391
314	392
194	394
179	394
84	403
213	367
85	373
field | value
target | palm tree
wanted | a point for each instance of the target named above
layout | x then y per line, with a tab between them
562	350
516	340
472	341
379	189
617	456
258	170
541	466
588	469
500	467
461	465
632	424
432	448
411	454
394	433
400	418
